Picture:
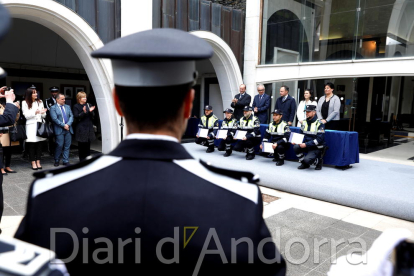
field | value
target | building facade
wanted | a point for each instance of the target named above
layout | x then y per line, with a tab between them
366	48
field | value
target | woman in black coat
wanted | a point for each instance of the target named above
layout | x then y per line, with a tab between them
84	132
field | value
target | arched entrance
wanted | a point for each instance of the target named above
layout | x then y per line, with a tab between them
81	37
225	65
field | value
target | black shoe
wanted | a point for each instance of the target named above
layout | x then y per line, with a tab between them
303	166
280	162
6	170
209	150
56	164
250	157
274	160
35	169
227	154
4	173
39	168
66	164
319	165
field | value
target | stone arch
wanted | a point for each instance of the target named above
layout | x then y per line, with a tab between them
83	39
225	64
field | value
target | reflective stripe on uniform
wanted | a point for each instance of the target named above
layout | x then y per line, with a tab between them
246	190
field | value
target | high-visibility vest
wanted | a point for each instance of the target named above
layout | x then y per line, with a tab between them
277	130
247	124
213	119
313	128
228	124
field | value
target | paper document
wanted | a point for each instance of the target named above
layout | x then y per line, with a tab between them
296	138
202	132
240	134
267	147
222	133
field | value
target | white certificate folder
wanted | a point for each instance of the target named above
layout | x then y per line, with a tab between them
202	132
267	147
296	138
222	133
240	134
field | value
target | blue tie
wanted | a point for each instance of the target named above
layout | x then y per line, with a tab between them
64	114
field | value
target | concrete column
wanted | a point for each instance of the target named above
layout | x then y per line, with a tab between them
251	45
136	16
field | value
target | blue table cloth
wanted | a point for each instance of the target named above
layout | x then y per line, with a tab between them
343	145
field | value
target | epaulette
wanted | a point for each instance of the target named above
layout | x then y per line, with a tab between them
238	175
44	173
215	117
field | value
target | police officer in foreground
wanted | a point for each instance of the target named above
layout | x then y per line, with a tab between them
9	115
313	141
230	124
251	124
208	121
278	133
48	104
149	205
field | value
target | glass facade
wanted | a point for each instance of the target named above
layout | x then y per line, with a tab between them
325	30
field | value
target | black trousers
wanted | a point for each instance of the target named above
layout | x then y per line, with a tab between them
225	144
205	142
35	150
333	125
51	143
310	158
280	150
84	150
250	143
1	196
5	156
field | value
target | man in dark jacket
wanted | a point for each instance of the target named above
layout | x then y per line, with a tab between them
230	124
208	121
261	104
240	101
149	205
287	104
49	102
251	125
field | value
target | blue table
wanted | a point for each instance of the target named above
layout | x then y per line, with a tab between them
343	145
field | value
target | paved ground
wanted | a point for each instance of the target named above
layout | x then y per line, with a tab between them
306	220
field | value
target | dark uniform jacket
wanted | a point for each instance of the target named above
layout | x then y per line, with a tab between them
83	123
9	115
48	104
150	192
262	107
288	107
231	125
211	123
251	125
314	131
241	103
277	133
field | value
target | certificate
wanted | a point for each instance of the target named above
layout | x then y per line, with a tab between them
202	132
267	147
296	138
222	133
240	134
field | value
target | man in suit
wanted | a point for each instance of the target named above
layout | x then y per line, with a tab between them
261	104
48	104
62	118
114	200
240	101
286	104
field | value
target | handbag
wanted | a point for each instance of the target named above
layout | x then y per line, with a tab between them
44	129
17	133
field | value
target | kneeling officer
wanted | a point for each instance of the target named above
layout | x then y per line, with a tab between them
229	123
208	121
278	133
313	142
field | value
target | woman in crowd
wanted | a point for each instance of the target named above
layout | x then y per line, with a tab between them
6	144
309	99
328	107
34	112
84	132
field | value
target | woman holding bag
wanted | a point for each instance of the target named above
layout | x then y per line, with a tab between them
34	112
84	132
